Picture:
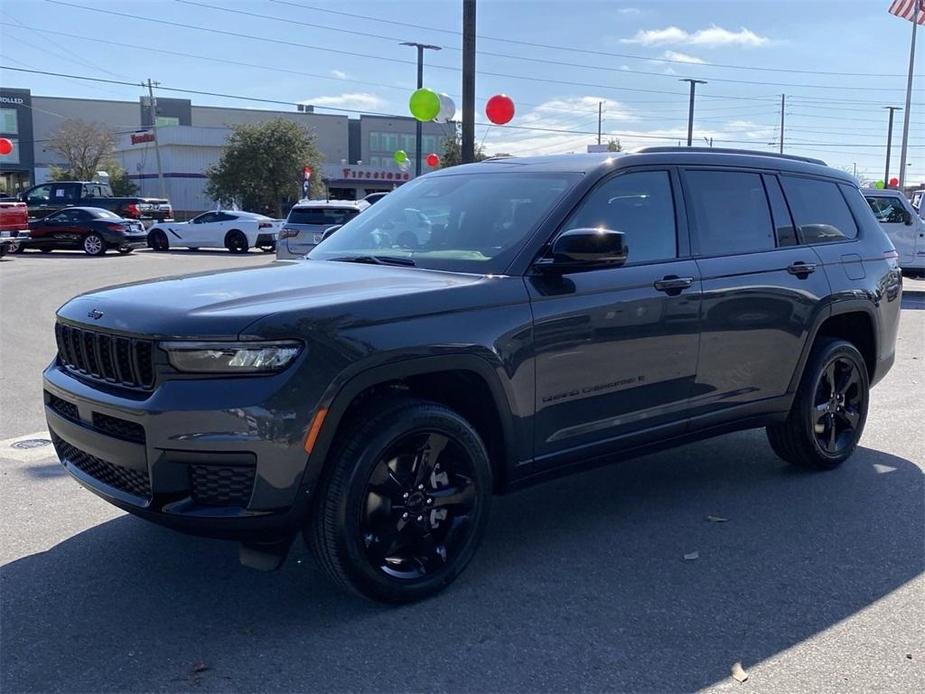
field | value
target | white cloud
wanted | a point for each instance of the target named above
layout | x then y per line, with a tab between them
361	101
629	11
669	71
709	38
681	57
339	74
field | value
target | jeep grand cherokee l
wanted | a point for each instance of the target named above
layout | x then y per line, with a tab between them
563	310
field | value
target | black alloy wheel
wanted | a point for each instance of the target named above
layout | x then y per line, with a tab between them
236	242
403	503
838	401
420	501
829	409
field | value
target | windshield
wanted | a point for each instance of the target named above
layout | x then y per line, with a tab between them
472	222
327	216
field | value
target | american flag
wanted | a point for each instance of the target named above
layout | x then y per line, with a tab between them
907	9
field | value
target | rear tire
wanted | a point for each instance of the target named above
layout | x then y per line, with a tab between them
236	242
403	503
829	409
157	240
93	244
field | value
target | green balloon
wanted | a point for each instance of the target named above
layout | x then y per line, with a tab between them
424	104
879	185
400	156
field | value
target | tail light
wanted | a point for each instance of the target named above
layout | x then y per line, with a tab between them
132	210
264	225
288	233
116	227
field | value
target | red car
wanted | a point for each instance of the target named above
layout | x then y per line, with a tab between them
14	222
92	229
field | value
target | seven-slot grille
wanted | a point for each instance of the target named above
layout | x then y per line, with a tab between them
122	360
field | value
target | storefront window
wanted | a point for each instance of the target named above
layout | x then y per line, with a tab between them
374	142
9	123
167	120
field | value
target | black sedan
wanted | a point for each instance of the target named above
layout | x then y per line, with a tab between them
92	229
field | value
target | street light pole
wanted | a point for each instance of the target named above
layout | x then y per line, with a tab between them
467	148
418	132
889	145
690	112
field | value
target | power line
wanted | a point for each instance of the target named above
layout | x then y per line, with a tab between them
587	51
532	59
252	37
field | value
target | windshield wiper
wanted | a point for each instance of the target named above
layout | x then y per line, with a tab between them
375	260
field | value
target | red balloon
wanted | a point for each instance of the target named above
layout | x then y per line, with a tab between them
5	146
499	109
433	160
894	182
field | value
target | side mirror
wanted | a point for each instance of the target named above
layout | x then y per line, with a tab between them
582	249
330	230
907	218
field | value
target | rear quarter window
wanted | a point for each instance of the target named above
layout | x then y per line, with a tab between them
820	210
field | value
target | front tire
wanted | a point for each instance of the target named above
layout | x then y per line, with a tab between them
829	410
157	240
404	502
94	245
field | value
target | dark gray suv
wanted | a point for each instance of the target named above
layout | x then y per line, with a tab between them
562	311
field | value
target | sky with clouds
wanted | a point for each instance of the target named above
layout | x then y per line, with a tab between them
839	62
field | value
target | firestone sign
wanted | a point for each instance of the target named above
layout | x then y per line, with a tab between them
374	174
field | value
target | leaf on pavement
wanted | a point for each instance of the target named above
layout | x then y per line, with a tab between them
692	555
717	519
738	672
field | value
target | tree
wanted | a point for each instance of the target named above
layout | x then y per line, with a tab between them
262	166
614	145
84	146
452	149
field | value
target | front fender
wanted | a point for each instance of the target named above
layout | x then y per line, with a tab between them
341	393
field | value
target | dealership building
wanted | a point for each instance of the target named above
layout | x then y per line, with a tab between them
357	152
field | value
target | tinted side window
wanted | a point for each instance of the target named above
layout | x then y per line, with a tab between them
640	205
819	209
39	195
731	211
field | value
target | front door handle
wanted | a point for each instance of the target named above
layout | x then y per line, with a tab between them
673	285
801	269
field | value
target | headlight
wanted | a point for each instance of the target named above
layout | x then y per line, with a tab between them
231	357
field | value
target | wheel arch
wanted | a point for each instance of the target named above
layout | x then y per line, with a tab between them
440	379
854	321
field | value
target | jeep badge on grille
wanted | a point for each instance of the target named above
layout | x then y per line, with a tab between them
95	314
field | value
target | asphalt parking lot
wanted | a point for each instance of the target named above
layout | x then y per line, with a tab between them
814	582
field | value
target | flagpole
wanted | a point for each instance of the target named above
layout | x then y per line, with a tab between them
906	114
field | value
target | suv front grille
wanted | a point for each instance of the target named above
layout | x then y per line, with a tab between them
128	362
123	478
216	485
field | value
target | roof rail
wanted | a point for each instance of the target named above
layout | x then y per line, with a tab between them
729	150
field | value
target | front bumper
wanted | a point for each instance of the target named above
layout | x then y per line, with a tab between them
218	457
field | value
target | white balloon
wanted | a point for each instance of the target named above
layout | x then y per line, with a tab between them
447	109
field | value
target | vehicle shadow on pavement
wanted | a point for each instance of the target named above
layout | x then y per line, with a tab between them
580	584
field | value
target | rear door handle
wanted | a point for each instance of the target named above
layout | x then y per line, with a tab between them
672	284
801	269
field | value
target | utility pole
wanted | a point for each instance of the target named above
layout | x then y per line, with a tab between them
919	7
690	112
889	146
418	126
600	105
468	82
157	146
783	98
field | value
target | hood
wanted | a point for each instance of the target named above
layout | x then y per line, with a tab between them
223	304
